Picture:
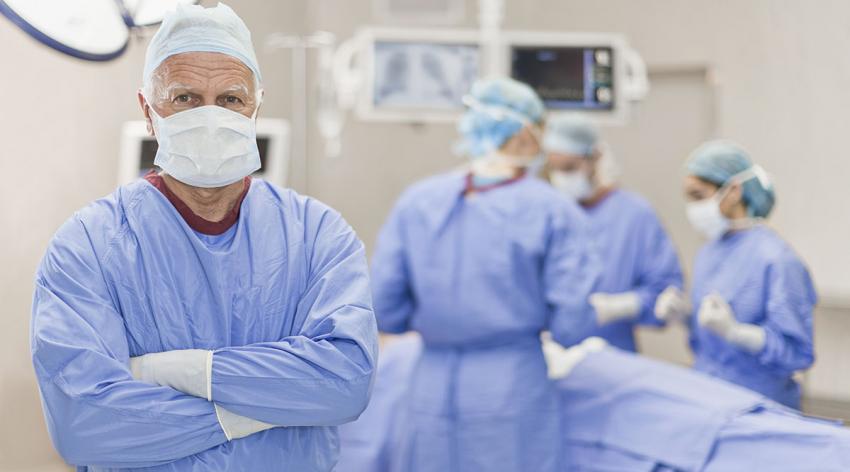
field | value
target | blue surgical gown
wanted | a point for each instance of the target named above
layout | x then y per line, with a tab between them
766	284
282	298
479	278
369	444
637	256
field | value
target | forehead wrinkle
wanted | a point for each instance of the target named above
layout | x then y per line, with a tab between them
203	70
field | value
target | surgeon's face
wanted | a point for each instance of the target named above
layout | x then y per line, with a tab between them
570	162
526	143
697	189
196	79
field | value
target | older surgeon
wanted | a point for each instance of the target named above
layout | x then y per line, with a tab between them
199	319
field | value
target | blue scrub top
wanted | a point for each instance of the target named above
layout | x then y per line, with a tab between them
282	299
637	256
480	277
766	284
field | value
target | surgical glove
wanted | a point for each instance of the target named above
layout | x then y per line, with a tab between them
672	304
186	370
611	307
716	315
560	361
237	427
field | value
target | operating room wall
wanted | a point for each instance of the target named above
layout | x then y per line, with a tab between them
778	81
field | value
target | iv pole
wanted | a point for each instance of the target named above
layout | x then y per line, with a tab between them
491	15
300	91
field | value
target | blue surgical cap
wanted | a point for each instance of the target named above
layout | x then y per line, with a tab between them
571	134
718	161
498	109
193	28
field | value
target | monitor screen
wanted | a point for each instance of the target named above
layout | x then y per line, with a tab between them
423	75
567	78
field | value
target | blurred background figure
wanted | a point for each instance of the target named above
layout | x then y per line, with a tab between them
638	257
479	263
752	295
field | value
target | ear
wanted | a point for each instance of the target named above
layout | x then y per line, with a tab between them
737	192
734	196
594	158
143	103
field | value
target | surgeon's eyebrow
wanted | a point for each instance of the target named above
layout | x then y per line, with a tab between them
237	88
168	90
179	86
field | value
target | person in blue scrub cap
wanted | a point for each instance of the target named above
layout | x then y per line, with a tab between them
638	256
752	297
199	319
501	131
479	263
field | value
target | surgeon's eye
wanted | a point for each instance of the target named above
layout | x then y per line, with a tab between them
232	101
183	99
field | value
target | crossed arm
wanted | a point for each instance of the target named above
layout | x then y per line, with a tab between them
99	414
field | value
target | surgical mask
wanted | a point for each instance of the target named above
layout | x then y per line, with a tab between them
208	146
705	216
575	184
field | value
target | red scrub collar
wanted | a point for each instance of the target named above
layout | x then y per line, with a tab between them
201	225
470	186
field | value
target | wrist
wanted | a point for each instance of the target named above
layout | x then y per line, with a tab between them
750	337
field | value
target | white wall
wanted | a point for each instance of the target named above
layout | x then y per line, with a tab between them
782	72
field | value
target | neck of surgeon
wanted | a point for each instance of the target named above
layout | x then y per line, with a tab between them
211	204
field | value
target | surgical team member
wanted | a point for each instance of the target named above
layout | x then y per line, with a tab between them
480	263
638	257
753	294
199	319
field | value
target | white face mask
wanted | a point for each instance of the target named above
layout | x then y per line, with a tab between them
705	216
208	146
575	184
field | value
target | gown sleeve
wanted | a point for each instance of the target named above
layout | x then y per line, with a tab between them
322	375
571	271
790	302
658	267
96	413
391	289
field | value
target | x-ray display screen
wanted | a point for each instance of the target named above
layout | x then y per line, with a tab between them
423	75
579	78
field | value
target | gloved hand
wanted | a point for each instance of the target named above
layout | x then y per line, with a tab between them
717	316
672	304
186	370
560	361
611	307
236	427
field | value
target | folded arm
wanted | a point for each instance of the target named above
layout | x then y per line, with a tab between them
323	374
96	413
